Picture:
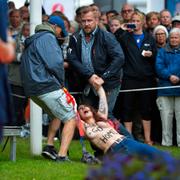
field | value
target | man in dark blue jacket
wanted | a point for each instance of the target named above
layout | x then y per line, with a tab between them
42	75
98	58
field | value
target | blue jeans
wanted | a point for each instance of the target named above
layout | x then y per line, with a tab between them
125	132
92	99
111	100
144	151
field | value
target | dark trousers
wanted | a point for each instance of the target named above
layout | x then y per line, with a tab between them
20	102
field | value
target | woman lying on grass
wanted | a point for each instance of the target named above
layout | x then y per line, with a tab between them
99	132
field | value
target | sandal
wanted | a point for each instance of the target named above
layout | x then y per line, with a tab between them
149	143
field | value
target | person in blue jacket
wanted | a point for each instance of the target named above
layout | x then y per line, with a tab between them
168	101
42	74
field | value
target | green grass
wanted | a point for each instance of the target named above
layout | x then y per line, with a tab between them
29	167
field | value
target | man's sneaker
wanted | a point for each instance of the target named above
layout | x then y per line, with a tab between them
62	159
49	152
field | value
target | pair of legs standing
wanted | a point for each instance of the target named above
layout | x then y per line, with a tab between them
66	135
168	106
143	100
56	106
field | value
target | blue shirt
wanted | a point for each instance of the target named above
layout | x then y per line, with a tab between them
86	50
138	38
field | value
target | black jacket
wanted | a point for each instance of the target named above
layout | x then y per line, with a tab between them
137	66
107	58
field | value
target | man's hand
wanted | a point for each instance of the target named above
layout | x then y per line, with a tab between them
174	79
96	81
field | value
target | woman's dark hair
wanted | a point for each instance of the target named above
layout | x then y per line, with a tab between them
94	111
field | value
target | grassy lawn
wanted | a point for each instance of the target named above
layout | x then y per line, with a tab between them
30	167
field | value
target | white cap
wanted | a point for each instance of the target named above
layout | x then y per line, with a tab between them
176	18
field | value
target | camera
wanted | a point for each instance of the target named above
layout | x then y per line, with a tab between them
131	26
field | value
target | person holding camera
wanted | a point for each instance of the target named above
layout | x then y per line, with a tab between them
138	72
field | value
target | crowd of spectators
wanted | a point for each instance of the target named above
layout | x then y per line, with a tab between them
151	52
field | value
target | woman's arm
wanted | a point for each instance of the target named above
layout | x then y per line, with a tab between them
103	107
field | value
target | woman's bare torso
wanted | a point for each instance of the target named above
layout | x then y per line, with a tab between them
102	134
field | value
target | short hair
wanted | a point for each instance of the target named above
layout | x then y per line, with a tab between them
113	12
164	10
79	10
126	4
118	17
93	4
138	13
14	11
152	13
174	30
86	10
25	24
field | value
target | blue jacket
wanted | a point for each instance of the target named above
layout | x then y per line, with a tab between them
107	58
6	106
42	68
167	64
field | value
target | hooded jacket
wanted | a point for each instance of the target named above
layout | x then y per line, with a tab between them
42	68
